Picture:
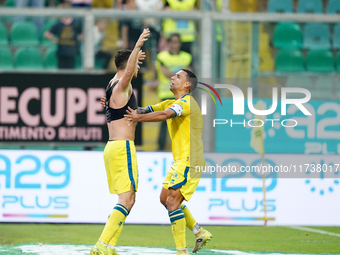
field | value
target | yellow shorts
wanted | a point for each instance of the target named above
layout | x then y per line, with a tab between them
121	166
180	176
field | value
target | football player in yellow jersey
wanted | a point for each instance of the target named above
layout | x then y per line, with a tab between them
185	124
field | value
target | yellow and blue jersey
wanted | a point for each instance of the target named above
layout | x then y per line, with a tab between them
185	129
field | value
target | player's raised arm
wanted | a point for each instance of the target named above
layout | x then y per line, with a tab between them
135	57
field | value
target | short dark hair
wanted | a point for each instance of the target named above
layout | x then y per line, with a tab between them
121	58
192	78
175	35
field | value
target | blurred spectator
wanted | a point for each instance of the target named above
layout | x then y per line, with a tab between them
130	28
103	3
81	3
39	22
183	27
153	24
167	64
67	33
99	33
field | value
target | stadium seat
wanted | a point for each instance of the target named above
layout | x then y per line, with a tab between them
324	82
47	26
280	6
3	34
320	61
316	36
299	81
28	58
321	93
51	60
287	35
333	6
336	36
6	62
338	62
10	3
289	60
24	33
79	62
314	6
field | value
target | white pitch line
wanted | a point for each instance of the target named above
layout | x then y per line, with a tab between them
315	230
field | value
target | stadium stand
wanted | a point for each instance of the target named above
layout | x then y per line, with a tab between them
28	58
289	60
338	62
47	25
316	36
24	33
287	35
280	6
320	61
3	34
310	6
51	60
6	62
10	3
336	36
333	6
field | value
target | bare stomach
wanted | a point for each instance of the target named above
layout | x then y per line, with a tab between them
120	130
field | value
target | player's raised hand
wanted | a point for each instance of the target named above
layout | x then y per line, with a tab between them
102	101
131	116
141	56
143	38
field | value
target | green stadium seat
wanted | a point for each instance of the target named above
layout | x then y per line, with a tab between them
333	6
10	3
287	35
3	34
289	60
316	36
24	33
320	61
336	36
47	26
338	61
70	148
324	82
299	81
321	93
51	59
28	58
314	6
6	60
79	63
280	6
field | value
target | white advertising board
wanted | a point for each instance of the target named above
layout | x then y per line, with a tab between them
65	186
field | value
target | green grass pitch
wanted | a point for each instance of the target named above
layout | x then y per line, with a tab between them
242	238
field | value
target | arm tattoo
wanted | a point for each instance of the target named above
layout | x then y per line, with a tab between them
173	115
144	110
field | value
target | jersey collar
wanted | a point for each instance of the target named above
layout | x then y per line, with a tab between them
184	95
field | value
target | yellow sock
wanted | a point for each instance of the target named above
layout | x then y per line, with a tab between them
116	219
190	221
114	239
178	227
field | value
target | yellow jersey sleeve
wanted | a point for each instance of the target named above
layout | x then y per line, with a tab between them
181	106
160	106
